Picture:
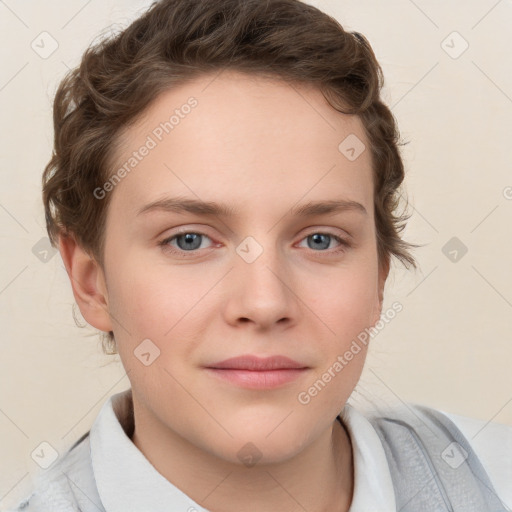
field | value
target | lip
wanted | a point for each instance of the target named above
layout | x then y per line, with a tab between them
255	372
255	363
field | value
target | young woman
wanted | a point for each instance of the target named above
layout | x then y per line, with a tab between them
223	193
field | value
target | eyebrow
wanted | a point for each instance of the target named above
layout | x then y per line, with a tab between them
183	205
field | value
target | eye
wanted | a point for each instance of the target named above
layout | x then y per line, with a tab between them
185	242
321	240
188	241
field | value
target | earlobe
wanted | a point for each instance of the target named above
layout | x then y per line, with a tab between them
87	281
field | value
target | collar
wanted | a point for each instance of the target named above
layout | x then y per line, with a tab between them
373	486
128	482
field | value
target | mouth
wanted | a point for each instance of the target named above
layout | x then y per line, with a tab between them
253	372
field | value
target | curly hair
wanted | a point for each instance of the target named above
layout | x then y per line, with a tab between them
175	41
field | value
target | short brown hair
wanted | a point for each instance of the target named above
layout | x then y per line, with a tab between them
175	41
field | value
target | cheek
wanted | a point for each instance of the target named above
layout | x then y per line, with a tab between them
342	315
348	302
166	309
151	300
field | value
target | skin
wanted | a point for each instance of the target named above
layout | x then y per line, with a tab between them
260	146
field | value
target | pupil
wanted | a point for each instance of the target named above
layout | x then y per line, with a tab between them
189	238
317	237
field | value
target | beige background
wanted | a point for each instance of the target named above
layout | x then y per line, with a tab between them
450	347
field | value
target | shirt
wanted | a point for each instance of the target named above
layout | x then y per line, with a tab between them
108	473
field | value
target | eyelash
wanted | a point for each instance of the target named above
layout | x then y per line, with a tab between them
344	244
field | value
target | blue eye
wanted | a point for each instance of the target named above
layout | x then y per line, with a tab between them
186	242
322	241
191	241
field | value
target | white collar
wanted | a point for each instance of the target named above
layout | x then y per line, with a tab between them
128	482
373	486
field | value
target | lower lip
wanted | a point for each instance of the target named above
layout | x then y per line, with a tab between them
253	379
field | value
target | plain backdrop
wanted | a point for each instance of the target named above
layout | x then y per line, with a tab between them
448	72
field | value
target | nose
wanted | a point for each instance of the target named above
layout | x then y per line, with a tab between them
263	292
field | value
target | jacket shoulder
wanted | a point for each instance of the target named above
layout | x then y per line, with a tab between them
67	486
431	462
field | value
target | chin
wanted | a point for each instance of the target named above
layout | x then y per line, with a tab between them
265	444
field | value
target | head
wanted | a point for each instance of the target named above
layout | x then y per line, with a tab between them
258	110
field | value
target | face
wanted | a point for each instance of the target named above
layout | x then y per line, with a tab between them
189	287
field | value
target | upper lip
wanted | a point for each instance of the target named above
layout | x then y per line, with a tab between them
255	363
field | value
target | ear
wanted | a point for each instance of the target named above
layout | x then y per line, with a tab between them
87	281
383	275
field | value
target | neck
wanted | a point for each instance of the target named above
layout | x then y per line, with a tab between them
318	479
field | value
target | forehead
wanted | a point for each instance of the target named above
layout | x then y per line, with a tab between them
231	131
